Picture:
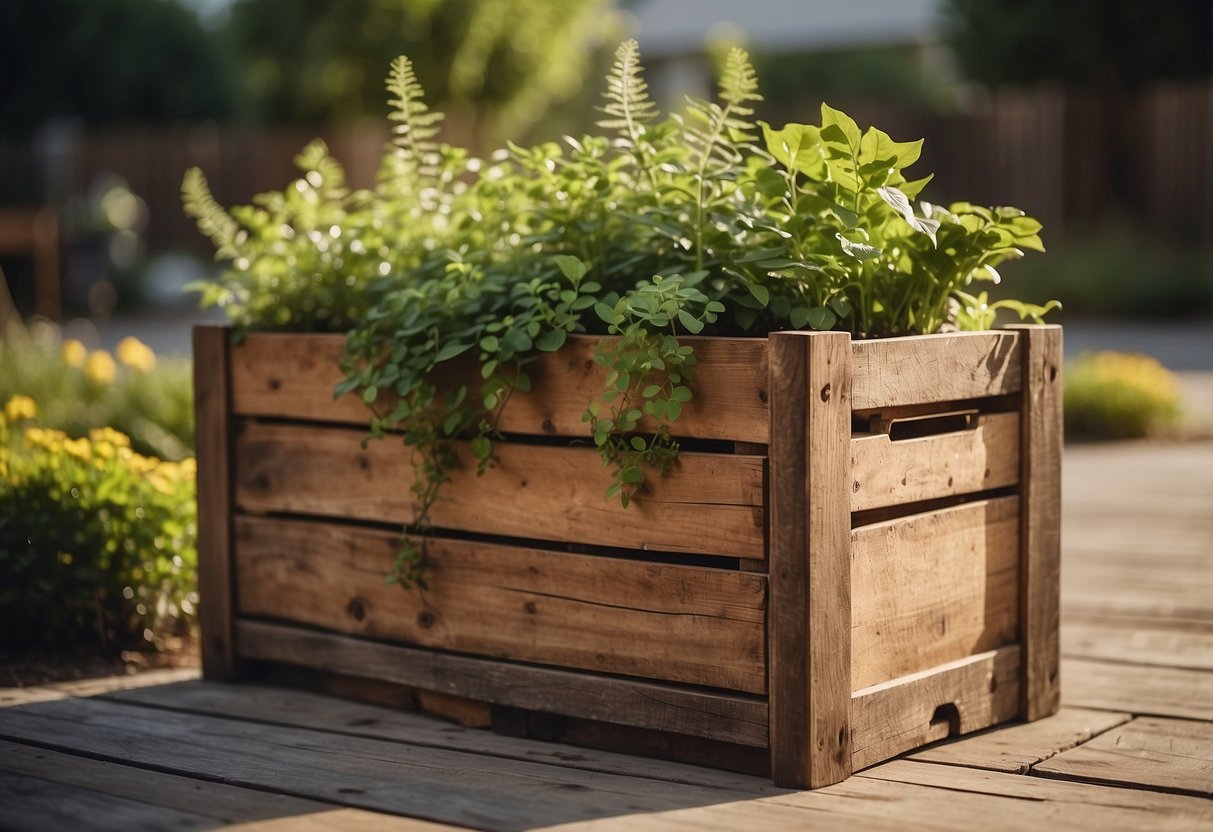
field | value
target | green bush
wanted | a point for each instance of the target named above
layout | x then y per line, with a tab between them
1112	395
97	542
149	400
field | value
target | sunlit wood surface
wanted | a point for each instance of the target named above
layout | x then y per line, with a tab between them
1132	747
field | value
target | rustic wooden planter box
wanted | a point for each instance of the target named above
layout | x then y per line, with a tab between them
837	570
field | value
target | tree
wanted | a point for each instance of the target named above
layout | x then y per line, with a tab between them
1098	43
105	62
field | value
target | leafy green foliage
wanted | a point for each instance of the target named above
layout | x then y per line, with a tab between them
669	227
97	542
1113	395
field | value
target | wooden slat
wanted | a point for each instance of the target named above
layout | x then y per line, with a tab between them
293	375
1016	748
810	575
932	588
1040	533
893	372
34	804
888	473
737	719
1169	755
434	784
199	798
212	417
957	698
92	687
282	706
533	492
676	623
1139	689
991	800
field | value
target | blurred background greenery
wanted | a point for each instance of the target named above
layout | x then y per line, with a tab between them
1093	116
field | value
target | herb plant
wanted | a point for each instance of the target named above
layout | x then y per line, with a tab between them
705	222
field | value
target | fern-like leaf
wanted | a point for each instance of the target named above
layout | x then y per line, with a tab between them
414	127
627	94
322	171
717	131
213	220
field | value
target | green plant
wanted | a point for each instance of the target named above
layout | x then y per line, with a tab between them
147	398
97	542
1113	395
683	225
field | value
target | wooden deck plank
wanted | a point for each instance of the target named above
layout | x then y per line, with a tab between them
281	706
399	778
1137	640
200	799
1138	689
34	804
1016	748
90	687
1012	801
1169	755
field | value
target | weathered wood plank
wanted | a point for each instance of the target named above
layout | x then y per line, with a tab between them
346	820
888	473
293	375
218	802
1169	755
283	706
1040	532
736	719
212	419
533	492
1016	748
34	804
1138	689
91	687
932	588
991	800
677	623
1136	640
893	372
810	575
957	698
485	792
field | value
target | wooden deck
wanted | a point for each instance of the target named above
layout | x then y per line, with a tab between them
1131	749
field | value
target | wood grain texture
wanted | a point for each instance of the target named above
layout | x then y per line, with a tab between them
810	576
1138	640
292	376
931	588
893	372
283	706
951	700
212	420
1138	689
1169	755
221	804
737	719
441	785
991	800
34	804
1040	533
1017	747
676	623
533	492
888	473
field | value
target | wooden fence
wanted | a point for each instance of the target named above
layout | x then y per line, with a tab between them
1070	158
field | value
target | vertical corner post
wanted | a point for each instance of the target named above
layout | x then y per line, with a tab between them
1040	520
212	428
809	607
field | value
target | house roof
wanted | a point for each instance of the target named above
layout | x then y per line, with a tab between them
668	28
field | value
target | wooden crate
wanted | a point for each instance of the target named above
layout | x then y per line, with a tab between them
856	554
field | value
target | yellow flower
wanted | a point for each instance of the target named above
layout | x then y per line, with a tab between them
135	354
100	368
109	436
78	448
20	407
73	353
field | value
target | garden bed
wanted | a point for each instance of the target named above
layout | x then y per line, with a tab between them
855	554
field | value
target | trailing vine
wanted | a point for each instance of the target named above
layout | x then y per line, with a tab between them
453	273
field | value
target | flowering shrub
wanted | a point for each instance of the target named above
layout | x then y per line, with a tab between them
1114	395
97	541
76	390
